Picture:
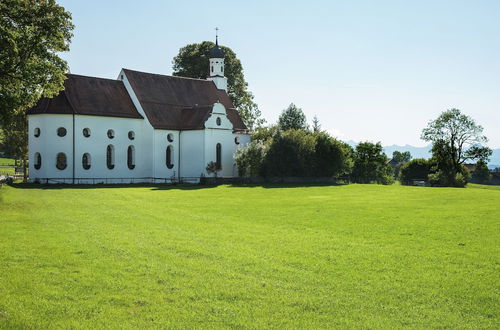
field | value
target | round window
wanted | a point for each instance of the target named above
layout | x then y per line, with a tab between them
86	132
61	131
131	135
37	132
237	140
170	137
111	133
218	121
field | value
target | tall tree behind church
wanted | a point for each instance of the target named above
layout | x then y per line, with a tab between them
192	61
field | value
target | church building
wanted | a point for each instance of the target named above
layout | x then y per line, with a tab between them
142	127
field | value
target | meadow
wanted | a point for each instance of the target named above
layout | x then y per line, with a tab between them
7	166
347	256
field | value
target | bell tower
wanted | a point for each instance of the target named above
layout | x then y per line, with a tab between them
216	68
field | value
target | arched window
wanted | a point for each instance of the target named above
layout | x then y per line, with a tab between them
37	132
110	157
131	135
131	157
86	161
212	68
61	131
61	162
38	161
111	133
86	132
169	157
222	69
218	121
218	155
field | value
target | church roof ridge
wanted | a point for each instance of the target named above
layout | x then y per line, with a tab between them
166	75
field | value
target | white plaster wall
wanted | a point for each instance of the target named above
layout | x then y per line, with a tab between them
192	153
161	144
49	144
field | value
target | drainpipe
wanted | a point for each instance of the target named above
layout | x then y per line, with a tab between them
73	148
179	160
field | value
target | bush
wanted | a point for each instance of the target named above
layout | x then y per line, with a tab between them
416	169
370	164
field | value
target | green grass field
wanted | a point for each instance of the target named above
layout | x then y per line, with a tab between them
7	166
358	256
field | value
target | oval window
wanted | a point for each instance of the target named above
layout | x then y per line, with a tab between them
237	140
111	133
170	137
61	162
37	132
86	161
61	131
131	135
218	121
86	132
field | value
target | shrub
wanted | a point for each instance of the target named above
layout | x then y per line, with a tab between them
416	169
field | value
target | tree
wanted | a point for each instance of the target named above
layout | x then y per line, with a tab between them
416	169
481	173
249	159
333	158
292	118
15	139
316	127
192	61
370	164
213	167
456	138
32	33
401	157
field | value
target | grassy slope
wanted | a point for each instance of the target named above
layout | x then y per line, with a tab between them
342	256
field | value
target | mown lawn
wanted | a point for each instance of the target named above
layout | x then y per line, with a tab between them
359	256
7	166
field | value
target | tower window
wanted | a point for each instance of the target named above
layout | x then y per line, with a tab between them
86	132
131	157
61	162
218	121
168	158
37	132
110	157
86	161
218	155
38	161
221	69
61	131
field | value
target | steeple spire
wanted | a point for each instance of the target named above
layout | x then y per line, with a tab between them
216	58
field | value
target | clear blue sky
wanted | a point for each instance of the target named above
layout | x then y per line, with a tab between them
370	70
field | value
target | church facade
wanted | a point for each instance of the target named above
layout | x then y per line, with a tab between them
142	127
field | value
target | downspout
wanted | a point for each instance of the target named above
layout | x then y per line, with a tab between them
179	157
73	147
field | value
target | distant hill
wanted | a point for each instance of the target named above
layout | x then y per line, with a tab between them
425	152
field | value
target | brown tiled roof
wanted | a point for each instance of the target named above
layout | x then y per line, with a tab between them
179	103
89	96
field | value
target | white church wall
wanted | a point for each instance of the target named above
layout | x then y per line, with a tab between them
192	153
49	144
164	139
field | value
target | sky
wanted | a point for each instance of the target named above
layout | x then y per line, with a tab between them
369	70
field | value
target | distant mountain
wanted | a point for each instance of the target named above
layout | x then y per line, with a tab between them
425	152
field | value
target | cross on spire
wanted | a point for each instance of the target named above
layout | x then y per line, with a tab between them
217	36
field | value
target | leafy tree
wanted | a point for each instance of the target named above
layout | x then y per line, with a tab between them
16	139
32	33
481	173
401	157
416	169
333	158
264	133
370	164
291	153
292	118
213	167
249	159
456	138
316	127
192	61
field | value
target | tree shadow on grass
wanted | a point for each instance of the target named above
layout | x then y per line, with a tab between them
285	185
